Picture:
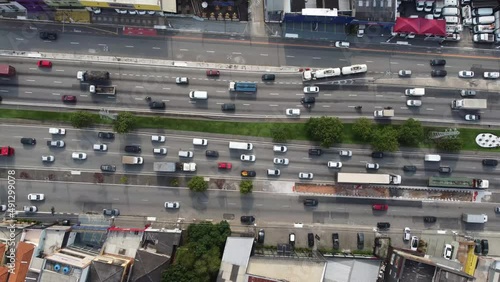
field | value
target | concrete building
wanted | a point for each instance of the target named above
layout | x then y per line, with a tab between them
66	266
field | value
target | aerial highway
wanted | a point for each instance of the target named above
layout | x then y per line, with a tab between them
28	157
35	86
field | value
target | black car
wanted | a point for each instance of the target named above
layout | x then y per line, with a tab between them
315	152
108	168
477	247
228	107
310	240
310	202
430	219
490	162
133	149
383	225
45	35
438	62
484	247
28	141
445	169
377	155
111	212
308	100
248	173
261	236
66	222
106	135
157	105
247	219
335	240
438	73
410	168
211	153
268	77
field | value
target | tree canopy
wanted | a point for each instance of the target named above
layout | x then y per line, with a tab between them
124	123
411	132
385	139
198	184
326	130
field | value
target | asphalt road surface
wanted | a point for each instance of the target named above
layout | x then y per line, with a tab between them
267	208
34	86
82	140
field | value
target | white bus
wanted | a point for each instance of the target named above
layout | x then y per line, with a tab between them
354	69
323	73
368	178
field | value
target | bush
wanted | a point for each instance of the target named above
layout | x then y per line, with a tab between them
124	123
362	129
81	119
198	184
280	133
327	130
411	133
246	186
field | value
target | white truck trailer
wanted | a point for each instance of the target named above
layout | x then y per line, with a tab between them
241	146
368	178
474	218
173	167
469	104
131	160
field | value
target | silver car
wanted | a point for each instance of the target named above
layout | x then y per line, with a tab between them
414	103
465	74
280	161
468	93
345	153
306	175
373	166
311	90
247	158
48	159
273	172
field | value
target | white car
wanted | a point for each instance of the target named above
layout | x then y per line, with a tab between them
472	117
273	172
56	143
79	156
466	74
406	234
151	13
306	175
30	209
182	80
97	11
491	75
345	153
100	147
158	138
292	112
311	90
279	161
132	12
404	73
57	131
280	148
414	243
334	164
48	158
141	12
36	197
374	166
121	11
3	208
160	151
172	205
448	251
414	103
247	158
342	44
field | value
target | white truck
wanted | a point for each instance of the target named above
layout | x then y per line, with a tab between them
483	38
469	104
317	74
415	92
241	146
368	178
173	167
131	160
92	75
102	90
383	113
474	218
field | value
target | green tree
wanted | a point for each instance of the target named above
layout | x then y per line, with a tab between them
81	119
449	145
411	132
198	184
280	133
246	186
363	129
327	130
385	139
178	272
124	123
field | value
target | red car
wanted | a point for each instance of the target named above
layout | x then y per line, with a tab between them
44	64
380	207
69	99
225	165
213	73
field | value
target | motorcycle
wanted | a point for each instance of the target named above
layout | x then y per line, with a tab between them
358	107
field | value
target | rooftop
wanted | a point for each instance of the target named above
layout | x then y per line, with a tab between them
123	243
108	269
348	269
71	257
161	242
375	10
289	269
148	266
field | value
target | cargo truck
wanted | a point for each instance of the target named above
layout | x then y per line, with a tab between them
102	90
7	70
368	178
469	104
240	146
6	151
383	113
92	75
132	160
458	182
242	86
173	167
474	218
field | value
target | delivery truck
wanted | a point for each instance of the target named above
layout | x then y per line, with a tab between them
132	160
241	146
7	70
474	218
173	167
383	113
242	86
92	75
102	90
458	182
469	104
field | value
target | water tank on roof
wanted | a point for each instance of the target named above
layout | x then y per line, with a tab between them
57	267
66	269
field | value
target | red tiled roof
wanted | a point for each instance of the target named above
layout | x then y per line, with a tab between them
24	253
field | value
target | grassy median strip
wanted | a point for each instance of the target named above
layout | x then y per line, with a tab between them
255	129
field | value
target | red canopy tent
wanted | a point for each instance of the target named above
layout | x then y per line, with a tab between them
420	26
435	27
407	25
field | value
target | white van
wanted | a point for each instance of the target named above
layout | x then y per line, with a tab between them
200	142
241	146
452	20
185	154
432	158
415	92
483	20
198	95
480	12
450	11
